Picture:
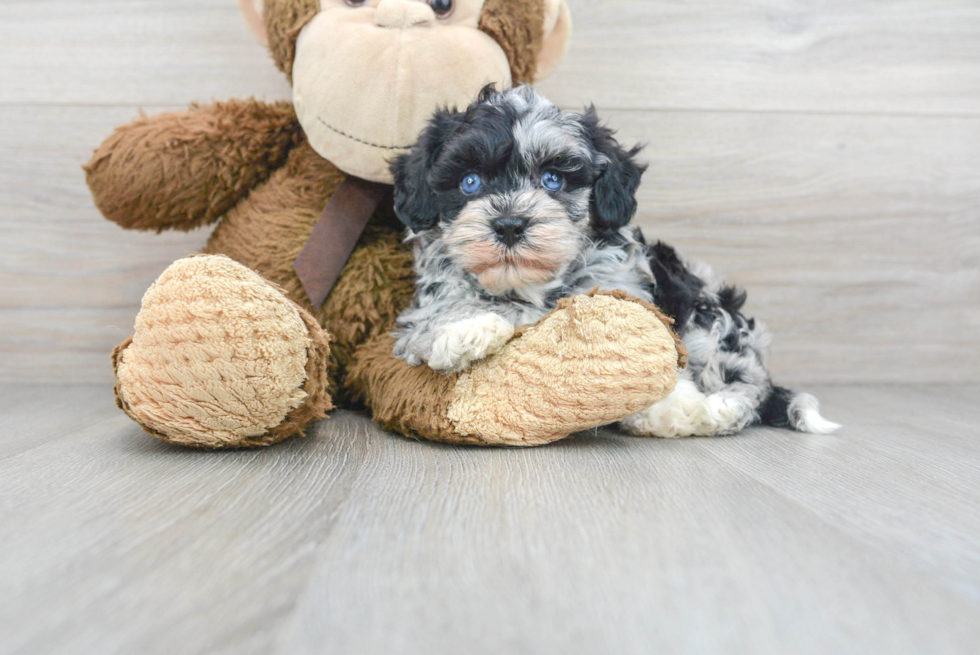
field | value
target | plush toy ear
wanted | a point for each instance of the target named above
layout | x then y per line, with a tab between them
416	203
283	21
252	11
614	191
557	34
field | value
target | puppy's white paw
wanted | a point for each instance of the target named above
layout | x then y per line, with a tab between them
460	344
687	412
672	417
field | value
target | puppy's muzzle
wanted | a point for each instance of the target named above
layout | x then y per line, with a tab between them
510	229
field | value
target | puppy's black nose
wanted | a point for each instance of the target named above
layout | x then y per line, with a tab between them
510	229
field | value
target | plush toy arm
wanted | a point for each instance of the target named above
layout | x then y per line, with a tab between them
186	169
591	362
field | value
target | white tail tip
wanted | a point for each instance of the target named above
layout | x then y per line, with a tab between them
804	415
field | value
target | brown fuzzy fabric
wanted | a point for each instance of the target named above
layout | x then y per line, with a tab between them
317	387
266	233
411	400
186	169
373	290
518	26
268	230
283	21
117	355
518	399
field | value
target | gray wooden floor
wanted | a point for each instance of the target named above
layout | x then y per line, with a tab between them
357	541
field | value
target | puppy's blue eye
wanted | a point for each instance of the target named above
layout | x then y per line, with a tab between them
471	184
552	181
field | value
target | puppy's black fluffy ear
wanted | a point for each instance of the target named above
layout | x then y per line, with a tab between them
416	204
487	92
614	191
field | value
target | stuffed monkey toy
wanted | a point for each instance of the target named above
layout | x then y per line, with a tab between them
289	310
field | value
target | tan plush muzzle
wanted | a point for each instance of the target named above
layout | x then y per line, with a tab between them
360	110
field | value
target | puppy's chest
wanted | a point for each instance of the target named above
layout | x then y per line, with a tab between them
613	269
446	289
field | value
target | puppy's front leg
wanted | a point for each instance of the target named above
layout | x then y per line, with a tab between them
459	344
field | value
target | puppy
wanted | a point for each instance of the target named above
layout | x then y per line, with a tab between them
514	204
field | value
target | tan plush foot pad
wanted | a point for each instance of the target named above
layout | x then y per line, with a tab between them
221	358
595	360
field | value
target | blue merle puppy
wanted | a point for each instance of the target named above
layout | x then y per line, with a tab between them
514	204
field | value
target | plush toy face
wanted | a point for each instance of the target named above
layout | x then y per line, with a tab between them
390	64
368	74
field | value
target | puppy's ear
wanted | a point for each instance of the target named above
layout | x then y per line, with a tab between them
614	191
487	92
416	204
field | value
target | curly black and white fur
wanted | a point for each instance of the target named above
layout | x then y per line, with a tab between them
514	204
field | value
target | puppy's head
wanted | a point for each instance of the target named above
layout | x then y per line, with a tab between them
515	187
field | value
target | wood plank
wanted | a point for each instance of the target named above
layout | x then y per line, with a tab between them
27	420
354	540
70	281
56	242
117	543
856	236
910	484
62	344
853	56
130	52
866	56
619	545
358	541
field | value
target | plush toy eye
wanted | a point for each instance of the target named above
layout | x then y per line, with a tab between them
471	184
442	8
355	3
552	181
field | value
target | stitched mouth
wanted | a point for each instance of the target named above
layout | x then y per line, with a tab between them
362	141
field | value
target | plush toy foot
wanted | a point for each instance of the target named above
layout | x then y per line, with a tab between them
221	359
595	360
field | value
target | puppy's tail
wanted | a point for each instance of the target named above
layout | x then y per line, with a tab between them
799	411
